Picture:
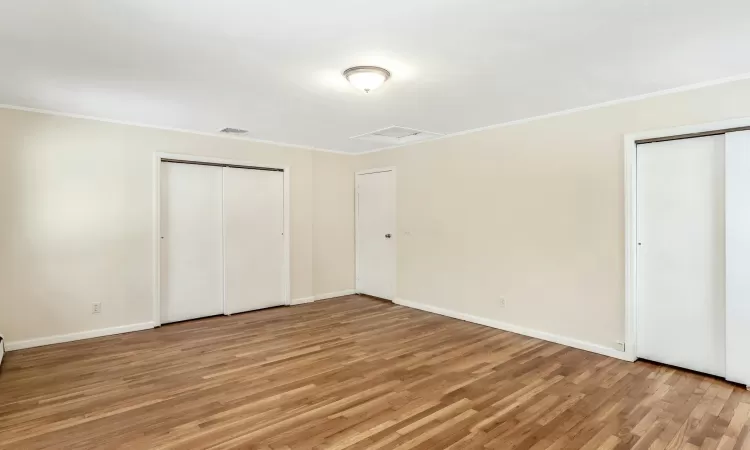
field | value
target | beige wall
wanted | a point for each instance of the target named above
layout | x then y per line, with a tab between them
533	213
333	223
77	215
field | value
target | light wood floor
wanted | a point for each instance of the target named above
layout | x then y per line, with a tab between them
354	373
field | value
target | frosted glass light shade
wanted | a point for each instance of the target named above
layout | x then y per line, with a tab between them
366	78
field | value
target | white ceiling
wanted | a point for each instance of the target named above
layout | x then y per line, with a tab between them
274	66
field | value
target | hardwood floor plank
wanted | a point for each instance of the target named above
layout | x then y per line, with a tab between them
354	373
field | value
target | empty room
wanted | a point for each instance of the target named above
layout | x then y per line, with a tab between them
350	224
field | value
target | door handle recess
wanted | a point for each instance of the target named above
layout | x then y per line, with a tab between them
388	236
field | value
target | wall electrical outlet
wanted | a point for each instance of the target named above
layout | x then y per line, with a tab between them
501	302
96	308
620	346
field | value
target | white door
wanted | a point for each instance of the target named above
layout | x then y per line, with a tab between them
376	234
254	239
191	245
681	258
738	255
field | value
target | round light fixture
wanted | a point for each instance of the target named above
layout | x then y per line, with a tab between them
366	78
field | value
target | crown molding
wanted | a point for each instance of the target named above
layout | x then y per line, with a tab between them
179	130
685	88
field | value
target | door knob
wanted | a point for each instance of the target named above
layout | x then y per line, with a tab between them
388	236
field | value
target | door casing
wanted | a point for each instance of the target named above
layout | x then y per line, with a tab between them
630	143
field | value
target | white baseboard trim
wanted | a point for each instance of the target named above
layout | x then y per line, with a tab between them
38	342
314	298
543	335
302	300
334	294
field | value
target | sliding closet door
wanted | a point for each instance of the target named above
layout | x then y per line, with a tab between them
681	258
191	244
253	237
738	256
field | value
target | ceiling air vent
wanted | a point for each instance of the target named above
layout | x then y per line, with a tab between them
233	131
397	135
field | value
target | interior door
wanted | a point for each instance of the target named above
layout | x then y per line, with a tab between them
376	234
681	257
254	238
191	242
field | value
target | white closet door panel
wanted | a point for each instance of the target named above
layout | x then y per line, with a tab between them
191	244
253	236
738	256
681	258
376	234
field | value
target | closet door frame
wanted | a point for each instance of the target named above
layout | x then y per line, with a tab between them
630	144
156	228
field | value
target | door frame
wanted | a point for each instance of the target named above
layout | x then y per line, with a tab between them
156	227
356	226
630	145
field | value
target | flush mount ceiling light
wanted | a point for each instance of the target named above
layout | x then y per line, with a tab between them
366	78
